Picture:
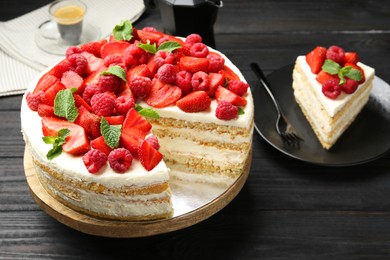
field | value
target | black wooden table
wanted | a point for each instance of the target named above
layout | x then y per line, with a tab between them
288	209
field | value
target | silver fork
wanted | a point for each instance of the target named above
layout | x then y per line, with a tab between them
283	126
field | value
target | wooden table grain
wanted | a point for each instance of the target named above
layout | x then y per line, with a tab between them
287	209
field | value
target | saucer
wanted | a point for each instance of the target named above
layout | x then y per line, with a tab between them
48	38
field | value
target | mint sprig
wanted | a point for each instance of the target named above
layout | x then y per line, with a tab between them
57	142
64	105
147	112
123	31
116	71
241	111
334	68
110	133
168	46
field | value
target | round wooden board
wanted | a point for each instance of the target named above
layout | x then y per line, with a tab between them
125	229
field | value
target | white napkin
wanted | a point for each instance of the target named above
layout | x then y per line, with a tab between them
21	59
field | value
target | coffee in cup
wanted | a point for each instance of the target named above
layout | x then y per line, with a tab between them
69	15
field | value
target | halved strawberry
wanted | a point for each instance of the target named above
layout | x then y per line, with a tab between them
45	82
139	70
89	121
146	36
351	57
355	66
228	73
100	144
71	79
216	79
94	76
45	110
93	47
193	64
79	101
134	120
222	93
76	143
149	156
152	66
316	59
50	93
162	94
115	120
94	63
60	68
131	139
194	102
117	47
323	76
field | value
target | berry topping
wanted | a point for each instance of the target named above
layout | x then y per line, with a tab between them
193	64
93	47
316	58
331	88
34	99
163	57
200	81
149	156
193	38
71	79
109	82
222	93
351	57
123	104
94	160
183	81
103	104
349	86
140	86
116	47
226	111
120	160
153	140
194	102
112	59
134	55
166	73
336	54
60	68
237	86
162	94
216	62
72	50
79	64
199	50
90	90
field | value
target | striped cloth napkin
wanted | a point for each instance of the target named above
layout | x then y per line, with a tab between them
21	59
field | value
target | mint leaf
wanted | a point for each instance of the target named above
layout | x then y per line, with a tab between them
169	46
353	73
64	105
116	71
331	67
123	31
240	111
110	133
147	112
151	48
57	142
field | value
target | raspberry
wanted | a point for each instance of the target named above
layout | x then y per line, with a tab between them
237	86
149	29
166	73
112	59
152	139
200	81
216	62
163	57
109	83
123	104
336	54
103	104
193	38
94	160
90	90
34	99
120	160
183	81
349	86
80	64
226	111
162	40
134	55
331	88
140	86
199	50
72	50
186	49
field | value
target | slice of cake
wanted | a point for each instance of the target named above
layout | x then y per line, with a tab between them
111	126
331	87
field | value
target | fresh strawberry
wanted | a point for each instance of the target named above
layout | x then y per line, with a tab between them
100	144
355	66
45	82
193	64
216	79
194	102
79	101
149	156
316	59
323	76
94	63
162	94
94	76
45	110
115	120
71	79
93	47
222	93
228	73
172	38
351	57
89	121
139	70
117	47
134	120
146	36
152	66
51	93
60	68
131	139
76	143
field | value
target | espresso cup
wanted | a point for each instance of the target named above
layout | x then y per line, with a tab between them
69	16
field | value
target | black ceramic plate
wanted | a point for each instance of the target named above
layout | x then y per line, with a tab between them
367	138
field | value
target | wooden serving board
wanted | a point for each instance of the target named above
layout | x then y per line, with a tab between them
122	229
